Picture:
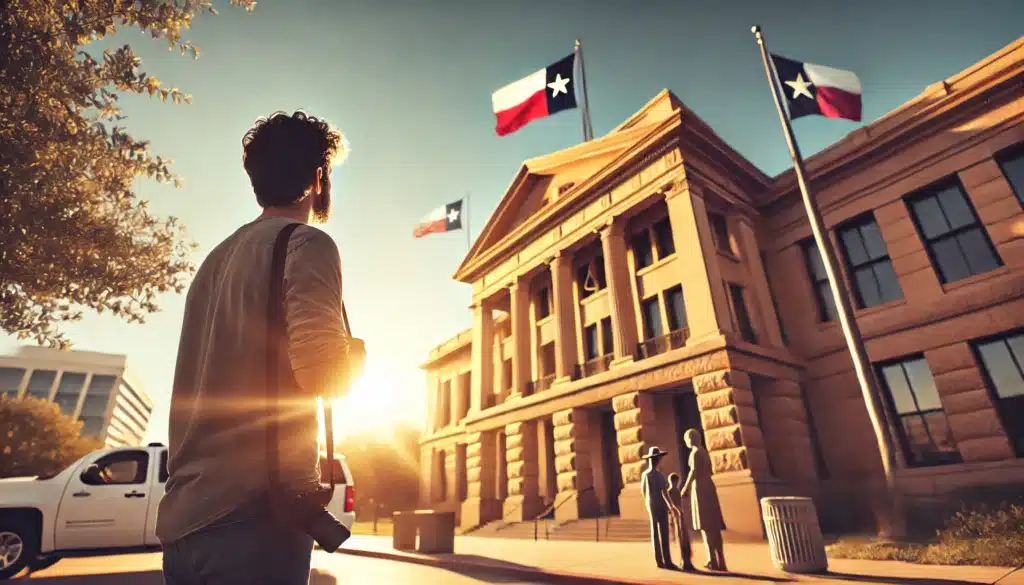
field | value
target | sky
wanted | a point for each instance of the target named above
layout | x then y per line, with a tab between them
409	84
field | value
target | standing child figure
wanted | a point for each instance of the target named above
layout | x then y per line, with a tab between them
675	498
707	512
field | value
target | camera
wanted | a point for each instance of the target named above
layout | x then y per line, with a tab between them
307	512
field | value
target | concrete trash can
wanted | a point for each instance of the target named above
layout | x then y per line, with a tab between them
794	536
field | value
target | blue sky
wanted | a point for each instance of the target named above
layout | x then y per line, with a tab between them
409	83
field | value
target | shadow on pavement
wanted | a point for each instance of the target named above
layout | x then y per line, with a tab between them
750	576
895	580
316	577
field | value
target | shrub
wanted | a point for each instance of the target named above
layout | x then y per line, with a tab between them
36	438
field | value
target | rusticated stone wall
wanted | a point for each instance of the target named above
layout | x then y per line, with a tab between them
574	465
523	501
972	416
732	433
635	423
480	506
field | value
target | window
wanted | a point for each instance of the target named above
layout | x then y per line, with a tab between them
445	404
40	384
739	307
1003	362
506	373
775	302
923	428
590	277
874	280
663	238
956	240
68	391
676	305
163	468
819	280
590	342
607	336
94	407
642	252
719	231
652	318
547	359
1011	161
10	381
120	468
543	303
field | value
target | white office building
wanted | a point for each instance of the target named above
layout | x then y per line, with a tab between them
95	388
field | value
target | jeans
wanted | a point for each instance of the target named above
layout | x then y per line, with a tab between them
251	551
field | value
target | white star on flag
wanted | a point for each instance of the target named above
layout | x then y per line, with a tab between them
559	85
453	215
800	86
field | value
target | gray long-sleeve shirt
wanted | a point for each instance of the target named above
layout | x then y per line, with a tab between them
218	450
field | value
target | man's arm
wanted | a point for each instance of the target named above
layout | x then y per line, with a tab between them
318	343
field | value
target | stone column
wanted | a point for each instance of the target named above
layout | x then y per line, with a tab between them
623	314
433	397
732	436
483	355
458	395
565	317
573	464
481	505
707	306
635	421
767	324
523	501
970	411
786	430
519	294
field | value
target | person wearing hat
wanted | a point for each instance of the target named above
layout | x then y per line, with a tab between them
654	489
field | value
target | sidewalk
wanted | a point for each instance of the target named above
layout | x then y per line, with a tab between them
632	563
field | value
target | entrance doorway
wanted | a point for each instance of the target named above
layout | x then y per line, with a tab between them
687	415
549	478
610	458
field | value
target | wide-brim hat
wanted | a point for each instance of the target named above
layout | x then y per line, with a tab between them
654	453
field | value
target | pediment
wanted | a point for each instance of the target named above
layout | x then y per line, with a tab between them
547	180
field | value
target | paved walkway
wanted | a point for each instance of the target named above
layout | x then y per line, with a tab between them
632	563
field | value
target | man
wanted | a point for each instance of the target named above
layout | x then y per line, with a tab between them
214	522
654	489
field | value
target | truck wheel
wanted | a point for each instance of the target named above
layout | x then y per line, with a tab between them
18	544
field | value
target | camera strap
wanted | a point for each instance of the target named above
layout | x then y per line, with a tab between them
276	334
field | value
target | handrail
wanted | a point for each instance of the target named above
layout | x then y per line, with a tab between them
554	506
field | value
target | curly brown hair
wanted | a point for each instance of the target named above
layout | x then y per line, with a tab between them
281	153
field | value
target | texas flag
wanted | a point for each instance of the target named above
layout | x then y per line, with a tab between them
816	90
445	218
541	94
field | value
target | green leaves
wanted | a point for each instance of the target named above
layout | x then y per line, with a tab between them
73	234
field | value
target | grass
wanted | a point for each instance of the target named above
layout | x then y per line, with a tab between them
980	536
365	527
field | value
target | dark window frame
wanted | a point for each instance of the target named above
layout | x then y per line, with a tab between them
824	300
141	473
897	417
543	303
591	342
652	243
670	309
599	276
856	224
649	332
932	191
741	312
607	336
720	233
1015	151
1009	425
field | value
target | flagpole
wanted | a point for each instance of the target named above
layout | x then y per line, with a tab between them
465	216
837	282
588	129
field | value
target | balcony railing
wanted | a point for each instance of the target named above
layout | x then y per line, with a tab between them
540	385
660	345
595	366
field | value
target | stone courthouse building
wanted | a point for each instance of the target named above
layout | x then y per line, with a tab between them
654	280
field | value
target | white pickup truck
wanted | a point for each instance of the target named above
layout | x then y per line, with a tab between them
104	503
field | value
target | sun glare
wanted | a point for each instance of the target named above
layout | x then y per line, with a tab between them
375	404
